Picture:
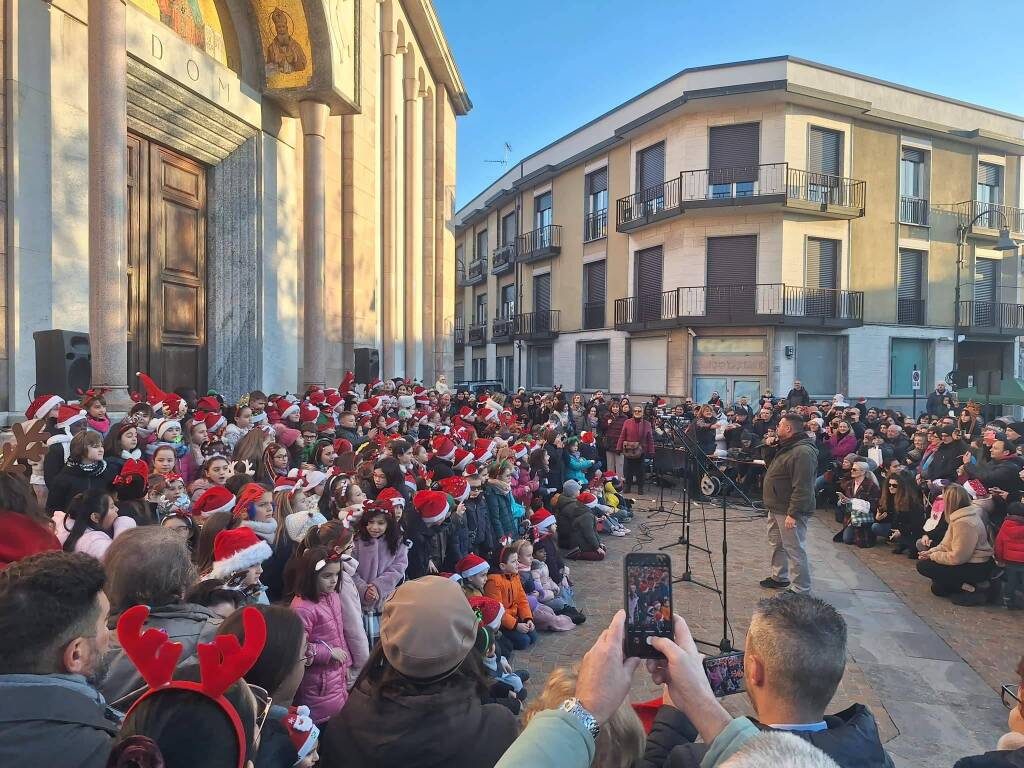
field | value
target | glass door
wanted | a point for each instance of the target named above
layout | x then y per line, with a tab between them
703	386
748	388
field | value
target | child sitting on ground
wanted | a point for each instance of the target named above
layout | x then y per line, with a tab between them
507	588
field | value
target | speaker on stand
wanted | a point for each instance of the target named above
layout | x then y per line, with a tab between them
367	364
63	363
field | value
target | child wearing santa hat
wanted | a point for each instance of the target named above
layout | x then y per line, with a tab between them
382	559
238	554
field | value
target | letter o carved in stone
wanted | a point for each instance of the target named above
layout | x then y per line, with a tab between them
192	69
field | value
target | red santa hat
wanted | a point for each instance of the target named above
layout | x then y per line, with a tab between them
521	449
42	405
390	496
432	506
308	412
216	498
443	447
455	486
67	415
487	414
471	565
541	520
208	404
489	609
342	445
301	730
391	424
588	499
465	413
236	550
368	406
286	408
284	483
347	383
410	481
335	400
316	396
214	421
976	489
462	459
471	470
171	404
587	437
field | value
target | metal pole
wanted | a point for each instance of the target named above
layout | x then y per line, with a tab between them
960	235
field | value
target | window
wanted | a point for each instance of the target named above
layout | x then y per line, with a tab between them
909	292
460	374
542	210
824	165
731	276
481	309
504	372
650	179
986	282
542	293
593	365
913	205
648	266
595	207
734	156
460	261
593	294
905	355
541	371
508	229
481	244
821	278
821	364
990	192
479	368
507	308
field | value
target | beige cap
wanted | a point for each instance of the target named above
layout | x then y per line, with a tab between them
428	627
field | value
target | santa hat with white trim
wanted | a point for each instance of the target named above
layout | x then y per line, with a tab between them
588	499
302	731
455	486
541	520
432	505
471	565
286	407
216	498
443	447
390	496
68	415
491	611
237	549
471	470
42	405
462	459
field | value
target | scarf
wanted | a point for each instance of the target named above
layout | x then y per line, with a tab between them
136	454
499	485
90	469
267	530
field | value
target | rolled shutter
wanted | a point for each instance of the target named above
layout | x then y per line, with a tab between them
822	263
595	280
508	229
649	264
909	286
825	151
732	260
912	155
989	174
542	293
651	167
734	153
597	181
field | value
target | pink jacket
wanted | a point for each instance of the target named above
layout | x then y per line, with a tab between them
324	686
523	487
378	566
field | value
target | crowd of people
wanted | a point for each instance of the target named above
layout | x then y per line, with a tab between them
345	577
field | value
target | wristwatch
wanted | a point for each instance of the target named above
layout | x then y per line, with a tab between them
577	710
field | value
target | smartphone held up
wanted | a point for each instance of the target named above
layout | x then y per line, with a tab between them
647	586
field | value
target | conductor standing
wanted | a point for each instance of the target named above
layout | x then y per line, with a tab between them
789	498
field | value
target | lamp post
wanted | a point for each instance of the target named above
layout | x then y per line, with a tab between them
1003	243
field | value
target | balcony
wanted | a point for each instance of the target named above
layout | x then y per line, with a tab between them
504	259
477	334
768	184
989	223
477	272
910	311
593	315
542	243
537	326
501	329
741	305
459	334
991	318
913	210
595	226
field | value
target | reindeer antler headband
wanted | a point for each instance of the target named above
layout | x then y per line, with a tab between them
29	444
221	663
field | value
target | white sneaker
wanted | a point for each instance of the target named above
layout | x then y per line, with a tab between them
619	532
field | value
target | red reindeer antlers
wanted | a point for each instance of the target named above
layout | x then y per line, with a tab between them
151	652
224	661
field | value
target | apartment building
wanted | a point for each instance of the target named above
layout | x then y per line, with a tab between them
743	225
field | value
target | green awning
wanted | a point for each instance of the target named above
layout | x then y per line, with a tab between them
1011	392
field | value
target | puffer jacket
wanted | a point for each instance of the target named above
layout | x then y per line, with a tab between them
523	486
612	432
789	479
966	539
379	566
508	590
73	480
1010	541
324	686
499	507
577	468
185	623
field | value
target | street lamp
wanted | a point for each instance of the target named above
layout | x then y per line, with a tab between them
1003	243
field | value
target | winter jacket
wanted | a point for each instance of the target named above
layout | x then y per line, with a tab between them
1005	758
380	567
612	432
552	739
1003	474
446	727
523	486
96	543
352	436
966	539
789	479
499	508
867	491
840	445
798	397
555	564
324	686
934	405
1010	541
576	468
439	469
478	523
56	721
508	590
185	623
637	431
851	739
556	466
21	536
908	521
945	461
456	532
73	480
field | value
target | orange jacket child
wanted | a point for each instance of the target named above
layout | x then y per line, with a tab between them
507	589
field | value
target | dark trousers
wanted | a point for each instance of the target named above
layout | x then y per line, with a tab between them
634	472
521	640
946	579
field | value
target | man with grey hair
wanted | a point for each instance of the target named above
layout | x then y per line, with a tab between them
773	749
794	659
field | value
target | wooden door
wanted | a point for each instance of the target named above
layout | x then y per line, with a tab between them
167	266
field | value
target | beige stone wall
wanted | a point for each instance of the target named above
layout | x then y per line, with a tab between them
4	323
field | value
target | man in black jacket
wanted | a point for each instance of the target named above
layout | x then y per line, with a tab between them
795	657
798	396
934	405
1001	471
53	638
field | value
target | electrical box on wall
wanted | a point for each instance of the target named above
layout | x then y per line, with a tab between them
790	351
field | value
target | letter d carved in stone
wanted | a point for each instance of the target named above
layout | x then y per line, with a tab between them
158	48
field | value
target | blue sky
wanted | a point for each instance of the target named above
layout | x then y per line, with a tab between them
537	70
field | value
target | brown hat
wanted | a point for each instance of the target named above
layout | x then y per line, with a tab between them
428	628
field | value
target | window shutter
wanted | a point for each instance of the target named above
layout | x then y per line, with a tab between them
542	293
594	278
732	260
734	153
597	181
985	282
989	174
481	244
648	271
508	229
650	167
912	155
825	151
822	263
909	286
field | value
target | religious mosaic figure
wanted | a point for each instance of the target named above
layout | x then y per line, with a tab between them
284	55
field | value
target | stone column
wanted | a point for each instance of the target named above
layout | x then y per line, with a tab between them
108	180
443	341
313	116
429	339
388	45
412	276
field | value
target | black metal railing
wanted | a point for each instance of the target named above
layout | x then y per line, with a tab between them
459	332
763	303
544	323
913	210
910	311
504	258
478	333
477	271
502	328
595	225
992	316
711	185
990	215
593	315
540	243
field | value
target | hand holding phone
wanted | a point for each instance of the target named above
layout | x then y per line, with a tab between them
647	588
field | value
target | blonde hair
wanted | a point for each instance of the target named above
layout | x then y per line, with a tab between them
518	545
954	497
621	740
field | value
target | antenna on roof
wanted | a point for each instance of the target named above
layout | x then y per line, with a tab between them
504	160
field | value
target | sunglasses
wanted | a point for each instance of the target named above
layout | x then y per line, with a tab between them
263	704
1010	696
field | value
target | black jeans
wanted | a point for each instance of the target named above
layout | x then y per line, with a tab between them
634	472
946	579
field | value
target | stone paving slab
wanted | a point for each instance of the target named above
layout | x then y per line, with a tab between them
906	659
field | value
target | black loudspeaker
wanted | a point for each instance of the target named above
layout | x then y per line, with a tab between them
367	364
63	363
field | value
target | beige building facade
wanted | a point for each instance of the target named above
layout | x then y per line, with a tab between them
229	194
740	226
